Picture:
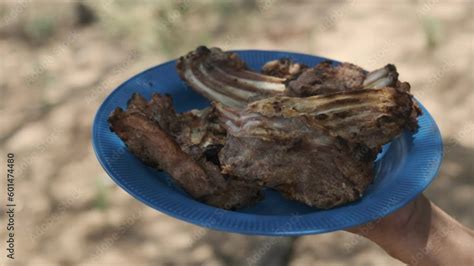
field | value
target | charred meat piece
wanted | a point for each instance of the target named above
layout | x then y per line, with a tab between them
152	145
184	145
195	131
283	68
299	158
372	117
318	150
326	78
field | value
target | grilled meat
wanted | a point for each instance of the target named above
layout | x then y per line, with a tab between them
297	157
184	145
283	68
223	77
326	78
318	150
372	117
310	133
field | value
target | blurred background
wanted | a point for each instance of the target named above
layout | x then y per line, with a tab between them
60	59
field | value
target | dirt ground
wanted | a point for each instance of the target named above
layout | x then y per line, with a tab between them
60	59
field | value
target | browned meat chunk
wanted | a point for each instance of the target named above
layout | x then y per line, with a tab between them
300	159
326	78
283	68
184	145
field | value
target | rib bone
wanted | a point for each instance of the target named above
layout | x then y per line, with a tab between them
223	77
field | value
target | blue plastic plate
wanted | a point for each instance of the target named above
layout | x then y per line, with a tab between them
405	168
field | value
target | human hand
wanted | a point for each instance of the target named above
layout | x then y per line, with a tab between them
421	234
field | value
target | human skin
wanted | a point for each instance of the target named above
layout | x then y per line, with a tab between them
422	234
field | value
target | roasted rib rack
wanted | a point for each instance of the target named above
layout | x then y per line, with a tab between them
311	133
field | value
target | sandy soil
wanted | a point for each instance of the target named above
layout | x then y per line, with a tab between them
58	64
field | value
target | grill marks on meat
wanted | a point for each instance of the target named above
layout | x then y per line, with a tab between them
181	144
372	117
317	150
310	133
